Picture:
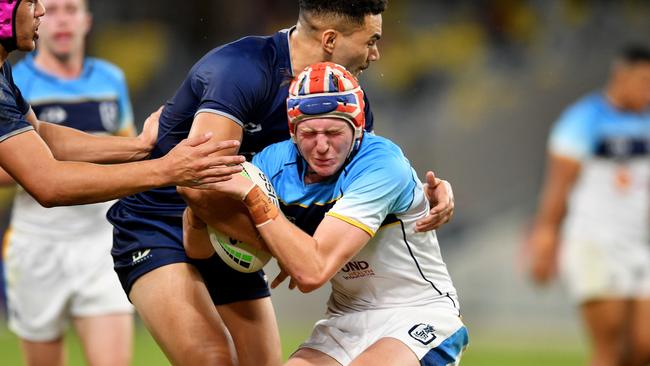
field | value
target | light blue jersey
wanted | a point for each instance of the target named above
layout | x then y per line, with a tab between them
377	182
96	102
397	286
609	202
378	192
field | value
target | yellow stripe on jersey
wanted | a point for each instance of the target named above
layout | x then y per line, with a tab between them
352	222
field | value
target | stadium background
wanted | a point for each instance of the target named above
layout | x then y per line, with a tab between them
468	88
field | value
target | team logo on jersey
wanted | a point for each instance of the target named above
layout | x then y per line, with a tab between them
357	269
108	115
54	114
140	255
423	333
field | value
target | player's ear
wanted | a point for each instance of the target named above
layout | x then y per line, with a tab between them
328	40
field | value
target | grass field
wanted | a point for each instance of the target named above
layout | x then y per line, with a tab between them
484	351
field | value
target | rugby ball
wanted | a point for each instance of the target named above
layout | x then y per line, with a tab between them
235	253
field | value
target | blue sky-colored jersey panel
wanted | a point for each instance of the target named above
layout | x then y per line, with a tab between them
593	128
97	101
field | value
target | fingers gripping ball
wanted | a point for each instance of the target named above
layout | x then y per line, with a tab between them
237	254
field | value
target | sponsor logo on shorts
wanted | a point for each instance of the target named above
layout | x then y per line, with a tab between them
423	333
140	256
357	269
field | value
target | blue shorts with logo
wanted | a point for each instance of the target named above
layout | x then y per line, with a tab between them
144	242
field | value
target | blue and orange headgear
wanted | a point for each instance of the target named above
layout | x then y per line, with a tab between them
327	89
8	24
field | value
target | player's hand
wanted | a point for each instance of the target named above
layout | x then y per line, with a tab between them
236	188
192	163
542	245
441	200
195	236
281	277
149	132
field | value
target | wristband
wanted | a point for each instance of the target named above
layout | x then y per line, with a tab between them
260	206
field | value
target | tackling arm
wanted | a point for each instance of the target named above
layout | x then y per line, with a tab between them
5	179
73	145
54	183
232	218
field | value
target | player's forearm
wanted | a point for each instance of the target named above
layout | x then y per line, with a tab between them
297	252
71	144
195	236
6	179
81	183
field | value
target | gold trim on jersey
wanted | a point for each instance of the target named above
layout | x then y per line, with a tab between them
352	222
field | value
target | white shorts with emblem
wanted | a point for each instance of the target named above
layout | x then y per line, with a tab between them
50	280
436	335
598	269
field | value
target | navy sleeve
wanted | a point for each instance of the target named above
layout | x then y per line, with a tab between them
13	106
230	83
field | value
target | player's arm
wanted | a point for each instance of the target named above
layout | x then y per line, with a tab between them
311	261
6	179
51	182
202	202
74	145
561	174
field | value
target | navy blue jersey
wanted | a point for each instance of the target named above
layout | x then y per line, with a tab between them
246	81
13	106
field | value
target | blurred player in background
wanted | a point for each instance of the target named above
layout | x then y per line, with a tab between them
236	91
75	280
595	202
50	161
357	199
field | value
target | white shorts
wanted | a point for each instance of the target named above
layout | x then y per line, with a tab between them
51	280
596	270
436	335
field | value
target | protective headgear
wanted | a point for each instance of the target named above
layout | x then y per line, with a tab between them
327	89
8	24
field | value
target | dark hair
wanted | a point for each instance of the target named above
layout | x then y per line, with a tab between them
355	10
635	53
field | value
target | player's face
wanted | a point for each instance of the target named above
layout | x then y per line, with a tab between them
324	143
64	27
28	17
638	86
357	50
